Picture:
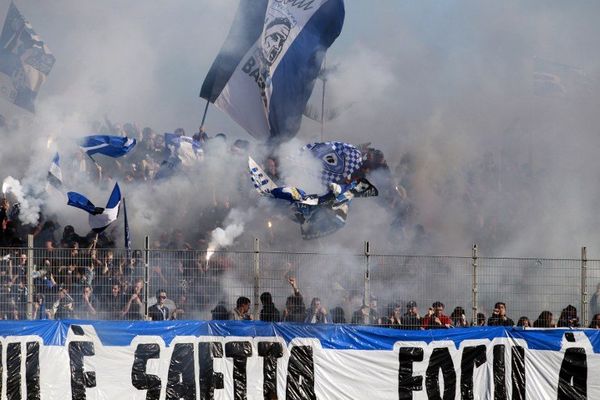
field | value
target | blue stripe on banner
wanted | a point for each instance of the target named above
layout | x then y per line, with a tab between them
245	30
331	336
295	76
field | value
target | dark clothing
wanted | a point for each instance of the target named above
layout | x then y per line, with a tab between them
391	322
569	323
497	321
270	313
410	322
158	313
113	307
359	318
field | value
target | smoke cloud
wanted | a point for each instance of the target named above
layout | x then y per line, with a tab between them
445	90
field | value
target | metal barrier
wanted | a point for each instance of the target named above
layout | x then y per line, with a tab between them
360	288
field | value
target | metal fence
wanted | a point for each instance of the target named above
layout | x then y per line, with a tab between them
115	284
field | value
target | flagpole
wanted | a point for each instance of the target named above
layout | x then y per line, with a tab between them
204	115
324	78
98	167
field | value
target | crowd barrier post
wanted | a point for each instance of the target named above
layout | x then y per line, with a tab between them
474	288
256	289
584	293
367	287
30	262
146	274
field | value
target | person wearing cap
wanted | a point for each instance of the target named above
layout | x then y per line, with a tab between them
411	320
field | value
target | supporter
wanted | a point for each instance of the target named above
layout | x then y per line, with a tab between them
393	316
159	311
595	323
365	316
20	294
316	313
374	313
63	306
411	320
458	317
544	320
86	306
435	318
19	271
269	312
480	320
499	317
114	304
241	312
220	312
295	311
337	315
39	308
134	307
568	318
524	322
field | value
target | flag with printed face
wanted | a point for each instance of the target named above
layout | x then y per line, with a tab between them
25	61
111	146
99	218
266	70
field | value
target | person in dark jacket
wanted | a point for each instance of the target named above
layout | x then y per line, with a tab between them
269	312
159	311
499	317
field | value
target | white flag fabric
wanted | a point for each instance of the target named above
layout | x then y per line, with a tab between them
265	85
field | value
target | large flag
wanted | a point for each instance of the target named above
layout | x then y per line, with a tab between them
55	173
266	70
25	60
99	218
111	146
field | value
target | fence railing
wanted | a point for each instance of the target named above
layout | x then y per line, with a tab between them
115	284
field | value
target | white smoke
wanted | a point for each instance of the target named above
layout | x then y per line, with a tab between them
29	206
224	237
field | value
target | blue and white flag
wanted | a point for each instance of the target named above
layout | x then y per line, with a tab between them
264	80
25	60
111	146
338	160
55	173
100	218
185	148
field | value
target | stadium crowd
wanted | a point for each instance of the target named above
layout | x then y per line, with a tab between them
85	276
93	283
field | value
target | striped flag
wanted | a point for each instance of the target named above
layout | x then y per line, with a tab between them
55	173
266	70
99	218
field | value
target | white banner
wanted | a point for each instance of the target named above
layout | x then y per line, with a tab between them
242	360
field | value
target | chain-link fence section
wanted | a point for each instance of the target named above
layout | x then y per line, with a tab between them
362	288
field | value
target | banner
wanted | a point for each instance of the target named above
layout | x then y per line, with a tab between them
264	80
256	360
25	60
